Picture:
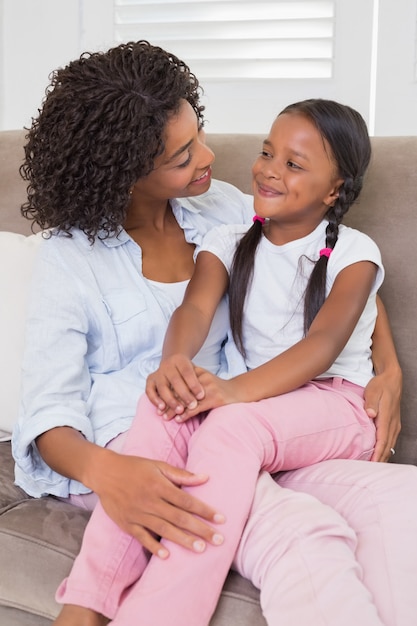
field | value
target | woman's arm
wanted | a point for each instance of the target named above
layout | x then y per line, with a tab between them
175	386
383	392
143	497
150	502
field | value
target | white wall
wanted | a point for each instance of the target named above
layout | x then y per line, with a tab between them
37	36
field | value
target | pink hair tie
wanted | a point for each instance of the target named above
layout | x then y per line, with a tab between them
256	218
326	252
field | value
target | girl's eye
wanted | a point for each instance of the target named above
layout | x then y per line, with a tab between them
293	165
265	154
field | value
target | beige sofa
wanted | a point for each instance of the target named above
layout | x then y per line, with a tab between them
39	538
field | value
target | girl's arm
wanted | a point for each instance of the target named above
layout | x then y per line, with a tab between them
175	385
383	392
308	358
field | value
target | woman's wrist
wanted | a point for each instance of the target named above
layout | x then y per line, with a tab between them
96	467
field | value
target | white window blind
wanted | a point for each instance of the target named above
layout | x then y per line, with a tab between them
231	39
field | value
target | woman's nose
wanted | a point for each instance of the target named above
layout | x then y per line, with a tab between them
206	156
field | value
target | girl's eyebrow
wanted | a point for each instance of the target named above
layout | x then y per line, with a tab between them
179	151
296	153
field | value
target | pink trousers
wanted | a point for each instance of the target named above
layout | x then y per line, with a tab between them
311	564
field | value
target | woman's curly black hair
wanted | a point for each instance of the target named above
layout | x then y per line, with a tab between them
99	130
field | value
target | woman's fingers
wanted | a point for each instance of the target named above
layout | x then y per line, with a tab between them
151	504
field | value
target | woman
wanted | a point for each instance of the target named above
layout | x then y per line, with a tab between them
103	168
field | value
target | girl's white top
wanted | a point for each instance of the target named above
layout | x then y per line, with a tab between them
210	354
274	308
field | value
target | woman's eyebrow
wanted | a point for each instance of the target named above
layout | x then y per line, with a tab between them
179	151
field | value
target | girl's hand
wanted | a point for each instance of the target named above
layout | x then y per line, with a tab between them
382	402
174	386
144	498
217	392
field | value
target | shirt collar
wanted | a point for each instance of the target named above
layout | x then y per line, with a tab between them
117	240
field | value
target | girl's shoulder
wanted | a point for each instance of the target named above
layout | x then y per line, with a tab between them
222	241
226	233
354	246
347	234
352	241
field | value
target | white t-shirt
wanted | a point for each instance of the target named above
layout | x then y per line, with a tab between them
209	355
274	308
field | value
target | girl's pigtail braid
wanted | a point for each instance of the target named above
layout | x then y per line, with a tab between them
315	293
240	280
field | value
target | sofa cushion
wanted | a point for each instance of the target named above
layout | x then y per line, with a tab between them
16	261
38	541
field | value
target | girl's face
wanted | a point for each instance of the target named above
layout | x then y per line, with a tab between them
184	168
295	179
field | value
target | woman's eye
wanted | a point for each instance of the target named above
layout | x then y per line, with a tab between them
187	162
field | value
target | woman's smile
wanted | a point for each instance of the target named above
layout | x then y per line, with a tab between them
203	179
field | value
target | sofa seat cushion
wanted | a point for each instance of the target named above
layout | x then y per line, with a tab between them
39	539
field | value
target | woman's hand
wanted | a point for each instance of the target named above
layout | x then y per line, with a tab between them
174	386
144	498
383	393
382	403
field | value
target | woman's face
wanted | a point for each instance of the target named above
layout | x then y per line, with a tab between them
184	168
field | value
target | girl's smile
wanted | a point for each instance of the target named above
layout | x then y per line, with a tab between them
266	191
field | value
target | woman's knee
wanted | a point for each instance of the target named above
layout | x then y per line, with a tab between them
282	520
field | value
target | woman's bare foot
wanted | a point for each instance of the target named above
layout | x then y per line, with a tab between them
72	615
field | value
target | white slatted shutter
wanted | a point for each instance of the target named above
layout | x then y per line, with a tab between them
231	39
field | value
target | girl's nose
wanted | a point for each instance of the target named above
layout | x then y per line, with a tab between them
271	170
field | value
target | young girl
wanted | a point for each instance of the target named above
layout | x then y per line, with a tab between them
302	301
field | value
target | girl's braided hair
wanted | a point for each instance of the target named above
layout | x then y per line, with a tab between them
99	130
346	133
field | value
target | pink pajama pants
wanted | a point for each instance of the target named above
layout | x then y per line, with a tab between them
299	552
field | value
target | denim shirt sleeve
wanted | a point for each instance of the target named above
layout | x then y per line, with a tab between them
55	381
92	339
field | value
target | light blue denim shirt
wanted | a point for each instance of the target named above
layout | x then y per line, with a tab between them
95	331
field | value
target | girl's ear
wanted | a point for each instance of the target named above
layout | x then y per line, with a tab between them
333	195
